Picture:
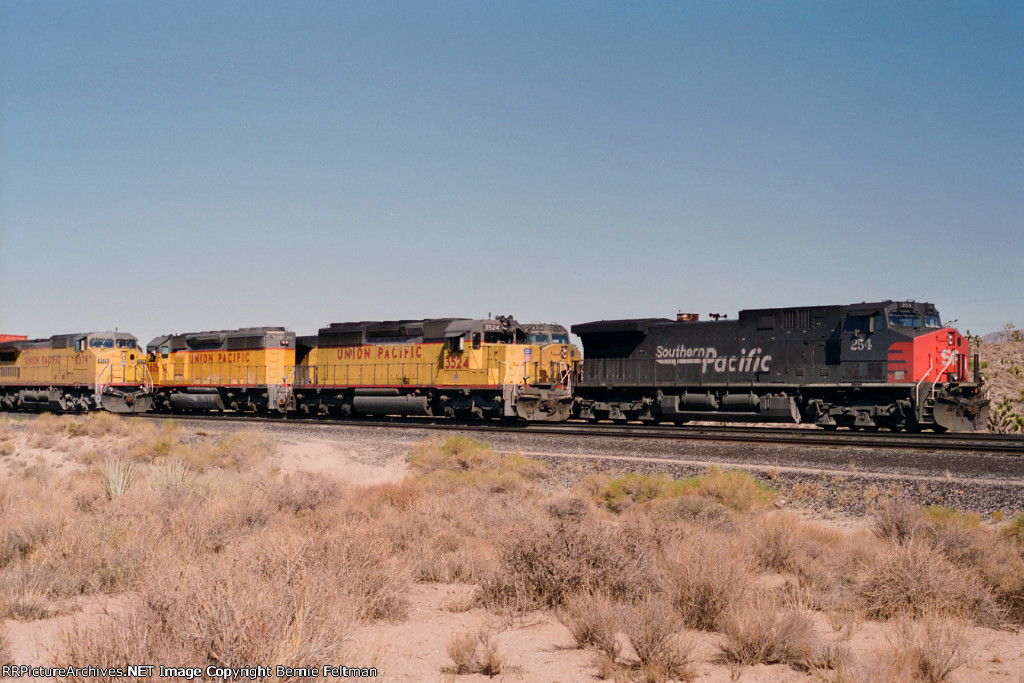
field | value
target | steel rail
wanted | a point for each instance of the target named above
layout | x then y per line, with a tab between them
1002	444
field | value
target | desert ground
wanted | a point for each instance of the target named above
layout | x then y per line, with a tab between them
150	542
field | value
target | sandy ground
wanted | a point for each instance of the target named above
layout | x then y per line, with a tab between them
536	648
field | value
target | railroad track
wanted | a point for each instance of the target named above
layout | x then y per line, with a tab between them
999	444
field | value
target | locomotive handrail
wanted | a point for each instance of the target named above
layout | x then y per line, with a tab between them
938	378
931	364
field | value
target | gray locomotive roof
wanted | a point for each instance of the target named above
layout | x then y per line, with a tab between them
209	337
408	331
64	341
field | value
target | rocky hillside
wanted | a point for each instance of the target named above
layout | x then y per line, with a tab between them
1002	365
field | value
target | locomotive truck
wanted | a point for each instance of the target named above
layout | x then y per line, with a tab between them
862	366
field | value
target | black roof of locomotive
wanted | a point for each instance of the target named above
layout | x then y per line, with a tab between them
643	325
626	325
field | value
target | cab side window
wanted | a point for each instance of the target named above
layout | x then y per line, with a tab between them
857	323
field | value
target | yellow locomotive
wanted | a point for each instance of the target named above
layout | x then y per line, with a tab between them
556	353
454	367
244	370
75	372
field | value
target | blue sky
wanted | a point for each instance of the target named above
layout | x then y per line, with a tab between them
196	165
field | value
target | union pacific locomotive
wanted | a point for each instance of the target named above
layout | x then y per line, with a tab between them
863	366
75	372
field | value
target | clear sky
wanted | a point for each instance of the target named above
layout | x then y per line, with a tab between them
175	166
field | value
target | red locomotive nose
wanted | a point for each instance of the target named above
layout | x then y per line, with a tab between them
939	356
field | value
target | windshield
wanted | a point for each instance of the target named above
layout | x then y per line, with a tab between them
905	320
125	344
560	338
932	320
101	343
539	338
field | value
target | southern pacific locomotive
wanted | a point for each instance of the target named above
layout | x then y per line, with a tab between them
885	364
863	366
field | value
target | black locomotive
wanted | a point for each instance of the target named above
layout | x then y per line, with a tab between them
869	365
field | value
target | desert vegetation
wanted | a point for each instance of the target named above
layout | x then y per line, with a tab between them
220	558
1002	364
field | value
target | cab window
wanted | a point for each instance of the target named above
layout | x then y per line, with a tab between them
125	344
560	338
932	320
164	351
539	338
904	320
857	323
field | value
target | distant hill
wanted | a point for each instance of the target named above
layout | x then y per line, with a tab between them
997	337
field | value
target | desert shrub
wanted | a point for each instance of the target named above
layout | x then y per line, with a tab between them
570	507
1014	529
1000	564
475	653
23	598
87	556
301	492
896	519
775	540
465	461
761	632
696	510
371	579
653	629
117	477
238	451
98	425
704	575
28	522
221	612
543	562
452	556
735	489
955	534
929	648
172	476
158	443
398	496
6	657
914	578
592	619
